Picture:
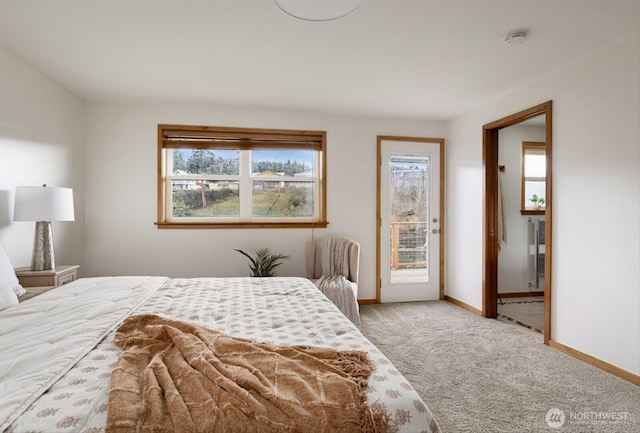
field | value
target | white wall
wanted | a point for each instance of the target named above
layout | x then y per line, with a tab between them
121	166
41	127
514	258
596	245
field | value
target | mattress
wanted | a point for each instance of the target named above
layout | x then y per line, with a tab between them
57	350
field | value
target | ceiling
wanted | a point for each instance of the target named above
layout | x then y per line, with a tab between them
418	59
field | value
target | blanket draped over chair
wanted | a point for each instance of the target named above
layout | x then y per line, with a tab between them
335	270
178	377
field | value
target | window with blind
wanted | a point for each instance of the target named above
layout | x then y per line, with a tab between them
534	177
218	177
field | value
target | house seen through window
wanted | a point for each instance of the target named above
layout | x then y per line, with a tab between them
236	177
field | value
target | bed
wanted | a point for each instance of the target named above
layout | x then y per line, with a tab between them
57	350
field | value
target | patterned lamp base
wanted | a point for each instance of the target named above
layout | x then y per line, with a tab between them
43	258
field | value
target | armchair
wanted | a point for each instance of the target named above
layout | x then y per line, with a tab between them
345	298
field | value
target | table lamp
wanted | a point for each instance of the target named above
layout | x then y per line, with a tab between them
43	204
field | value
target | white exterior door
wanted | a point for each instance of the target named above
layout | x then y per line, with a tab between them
409	209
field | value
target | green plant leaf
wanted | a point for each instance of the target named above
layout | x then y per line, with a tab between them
263	263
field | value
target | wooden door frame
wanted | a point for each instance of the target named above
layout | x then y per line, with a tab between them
490	180
380	138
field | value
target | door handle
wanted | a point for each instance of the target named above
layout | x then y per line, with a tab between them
435	231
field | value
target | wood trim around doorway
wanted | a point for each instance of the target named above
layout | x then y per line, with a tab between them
490	188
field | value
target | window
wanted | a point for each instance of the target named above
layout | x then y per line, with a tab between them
215	177
534	177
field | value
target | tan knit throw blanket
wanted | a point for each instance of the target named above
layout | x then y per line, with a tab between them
335	270
178	377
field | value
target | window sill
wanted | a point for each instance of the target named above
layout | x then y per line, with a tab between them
274	225
532	211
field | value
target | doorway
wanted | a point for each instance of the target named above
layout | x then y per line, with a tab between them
522	182
409	212
491	223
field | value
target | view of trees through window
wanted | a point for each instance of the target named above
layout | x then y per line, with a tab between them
409	179
206	183
216	177
206	161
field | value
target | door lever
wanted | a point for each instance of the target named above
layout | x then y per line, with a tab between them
435	231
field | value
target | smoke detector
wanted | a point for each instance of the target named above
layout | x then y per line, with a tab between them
515	38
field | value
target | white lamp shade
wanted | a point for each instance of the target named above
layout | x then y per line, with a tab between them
43	203
318	10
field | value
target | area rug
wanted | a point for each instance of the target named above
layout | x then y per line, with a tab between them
525	311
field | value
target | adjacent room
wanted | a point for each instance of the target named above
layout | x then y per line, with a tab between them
443	193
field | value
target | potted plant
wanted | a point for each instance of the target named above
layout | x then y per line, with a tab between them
538	202
263	263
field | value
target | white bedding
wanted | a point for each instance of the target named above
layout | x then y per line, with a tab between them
57	350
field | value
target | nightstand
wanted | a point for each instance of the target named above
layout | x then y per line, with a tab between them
50	278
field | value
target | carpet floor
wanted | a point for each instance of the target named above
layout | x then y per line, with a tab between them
483	375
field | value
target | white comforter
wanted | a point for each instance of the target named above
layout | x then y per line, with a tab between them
57	351
43	338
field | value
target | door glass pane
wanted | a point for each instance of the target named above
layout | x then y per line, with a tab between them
409	185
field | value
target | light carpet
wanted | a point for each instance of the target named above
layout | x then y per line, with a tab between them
483	375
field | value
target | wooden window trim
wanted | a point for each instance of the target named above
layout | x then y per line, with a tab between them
211	137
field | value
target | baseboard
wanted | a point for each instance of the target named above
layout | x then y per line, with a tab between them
463	305
602	365
367	301
520	294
